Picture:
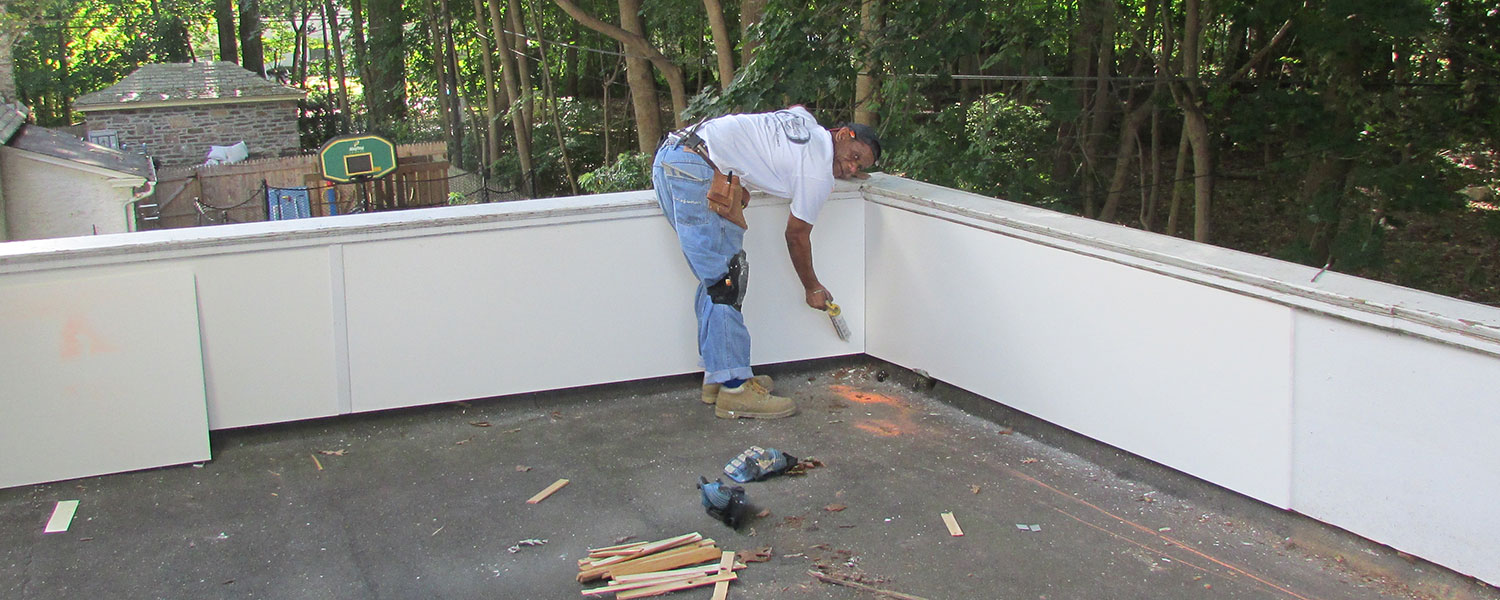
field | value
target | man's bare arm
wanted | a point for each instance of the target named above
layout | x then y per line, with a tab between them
799	246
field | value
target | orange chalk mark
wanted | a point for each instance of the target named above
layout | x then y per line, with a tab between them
73	331
880	427
854	395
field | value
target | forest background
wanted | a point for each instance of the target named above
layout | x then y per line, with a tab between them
1355	135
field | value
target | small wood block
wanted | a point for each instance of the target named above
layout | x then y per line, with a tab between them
952	524
726	565
542	495
672	587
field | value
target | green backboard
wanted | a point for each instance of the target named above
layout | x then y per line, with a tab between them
355	157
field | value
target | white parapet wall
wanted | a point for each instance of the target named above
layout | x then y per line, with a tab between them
1368	406
1365	405
328	316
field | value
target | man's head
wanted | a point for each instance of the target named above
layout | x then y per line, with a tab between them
856	147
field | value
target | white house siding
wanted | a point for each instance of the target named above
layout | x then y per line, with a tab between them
44	199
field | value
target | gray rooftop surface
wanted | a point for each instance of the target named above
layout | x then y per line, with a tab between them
56	144
428	502
176	82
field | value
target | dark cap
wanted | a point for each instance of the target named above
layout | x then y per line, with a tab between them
864	133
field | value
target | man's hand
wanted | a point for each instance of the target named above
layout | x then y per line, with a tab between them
819	298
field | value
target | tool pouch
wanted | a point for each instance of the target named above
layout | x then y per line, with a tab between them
728	198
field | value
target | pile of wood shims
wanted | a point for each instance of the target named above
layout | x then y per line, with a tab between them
645	569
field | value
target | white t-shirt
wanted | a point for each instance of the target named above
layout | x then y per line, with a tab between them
783	153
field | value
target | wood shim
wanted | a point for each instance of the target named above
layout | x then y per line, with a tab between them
726	565
672	587
952	524
699	570
670	559
542	495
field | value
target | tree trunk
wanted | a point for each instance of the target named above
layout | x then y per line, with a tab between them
65	103
1203	173
1190	97
1101	107
445	96
723	46
492	110
642	82
385	85
301	54
455	105
338	65
229	48
572	64
750	14
865	83
636	42
7	73
522	58
1179	172
361	57
562	146
1322	192
518	122
252	51
1129	133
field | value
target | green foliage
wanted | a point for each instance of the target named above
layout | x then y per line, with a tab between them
630	171
993	146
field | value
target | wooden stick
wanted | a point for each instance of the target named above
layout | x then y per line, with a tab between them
672	587
860	586
645	583
676	545
652	563
542	495
952	524
610	550
726	565
642	549
700	570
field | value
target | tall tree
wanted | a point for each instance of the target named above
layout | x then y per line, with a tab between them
492	109
519	124
331	20
648	127
865	82
229	48
361	58
723	46
750	13
385	85
252	48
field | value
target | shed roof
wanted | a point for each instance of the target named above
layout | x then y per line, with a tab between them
47	142
12	117
185	83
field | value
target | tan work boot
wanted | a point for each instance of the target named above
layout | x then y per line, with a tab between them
752	401
711	390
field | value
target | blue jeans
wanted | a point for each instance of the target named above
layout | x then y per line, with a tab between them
708	241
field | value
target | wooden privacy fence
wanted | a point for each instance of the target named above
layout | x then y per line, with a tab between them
236	193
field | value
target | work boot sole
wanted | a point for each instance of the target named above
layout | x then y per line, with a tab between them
742	414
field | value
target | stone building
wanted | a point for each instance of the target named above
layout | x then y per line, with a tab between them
175	112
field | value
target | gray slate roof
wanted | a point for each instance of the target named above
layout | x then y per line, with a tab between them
177	82
33	138
12	117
